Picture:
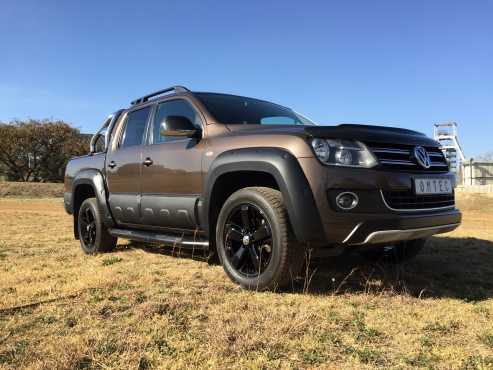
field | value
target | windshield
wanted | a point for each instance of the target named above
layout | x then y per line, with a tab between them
233	109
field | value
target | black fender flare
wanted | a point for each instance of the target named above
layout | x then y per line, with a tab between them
95	179
292	182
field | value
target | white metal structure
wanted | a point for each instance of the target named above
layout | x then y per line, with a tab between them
446	134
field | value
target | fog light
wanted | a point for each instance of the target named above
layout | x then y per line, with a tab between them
347	200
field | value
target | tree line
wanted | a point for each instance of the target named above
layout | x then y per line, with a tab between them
38	150
486	157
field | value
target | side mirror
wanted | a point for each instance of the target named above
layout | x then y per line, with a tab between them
178	126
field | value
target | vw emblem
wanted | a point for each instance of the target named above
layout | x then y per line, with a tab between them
422	157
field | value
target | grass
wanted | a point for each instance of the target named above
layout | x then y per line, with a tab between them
143	307
30	189
111	260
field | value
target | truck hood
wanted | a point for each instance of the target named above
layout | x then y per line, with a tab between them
364	133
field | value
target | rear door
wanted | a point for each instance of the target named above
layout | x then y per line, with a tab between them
124	167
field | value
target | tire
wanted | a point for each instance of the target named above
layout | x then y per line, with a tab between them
280	256
93	234
398	253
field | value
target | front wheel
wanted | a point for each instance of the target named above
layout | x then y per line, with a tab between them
254	240
93	234
396	253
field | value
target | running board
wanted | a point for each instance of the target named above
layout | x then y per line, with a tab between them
184	241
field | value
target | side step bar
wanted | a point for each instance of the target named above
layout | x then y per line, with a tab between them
185	241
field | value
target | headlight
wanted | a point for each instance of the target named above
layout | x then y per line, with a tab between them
346	153
322	149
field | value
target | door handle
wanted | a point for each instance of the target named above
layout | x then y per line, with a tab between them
112	164
148	161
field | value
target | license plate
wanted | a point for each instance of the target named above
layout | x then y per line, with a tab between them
424	186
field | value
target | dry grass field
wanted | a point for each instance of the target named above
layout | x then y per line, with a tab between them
30	189
148	307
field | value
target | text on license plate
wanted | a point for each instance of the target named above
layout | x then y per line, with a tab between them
433	186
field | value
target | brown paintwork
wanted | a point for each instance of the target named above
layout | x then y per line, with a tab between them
180	168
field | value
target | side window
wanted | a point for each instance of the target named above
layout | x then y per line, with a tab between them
176	107
277	120
98	141
135	125
99	144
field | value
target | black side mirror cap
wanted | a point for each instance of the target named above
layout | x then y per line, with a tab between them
178	126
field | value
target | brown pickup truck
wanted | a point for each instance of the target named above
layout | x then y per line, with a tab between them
256	184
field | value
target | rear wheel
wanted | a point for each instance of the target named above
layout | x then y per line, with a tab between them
254	242
93	234
395	253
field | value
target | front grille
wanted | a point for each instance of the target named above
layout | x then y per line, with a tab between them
400	157
407	200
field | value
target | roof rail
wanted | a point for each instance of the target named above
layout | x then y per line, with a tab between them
176	89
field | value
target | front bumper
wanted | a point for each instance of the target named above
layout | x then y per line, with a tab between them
373	221
375	229
389	236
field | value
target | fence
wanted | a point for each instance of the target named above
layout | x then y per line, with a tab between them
477	173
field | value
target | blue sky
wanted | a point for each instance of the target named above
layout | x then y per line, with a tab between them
401	63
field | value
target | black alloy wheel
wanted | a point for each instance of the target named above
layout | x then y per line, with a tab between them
254	240
248	240
88	227
93	233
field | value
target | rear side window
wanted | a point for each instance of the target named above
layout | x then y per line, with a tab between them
176	107
135	125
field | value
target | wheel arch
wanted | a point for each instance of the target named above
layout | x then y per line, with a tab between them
86	184
271	167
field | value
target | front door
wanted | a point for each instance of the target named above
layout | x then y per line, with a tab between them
172	178
124	168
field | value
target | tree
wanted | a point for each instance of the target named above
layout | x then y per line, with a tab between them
485	157
38	150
